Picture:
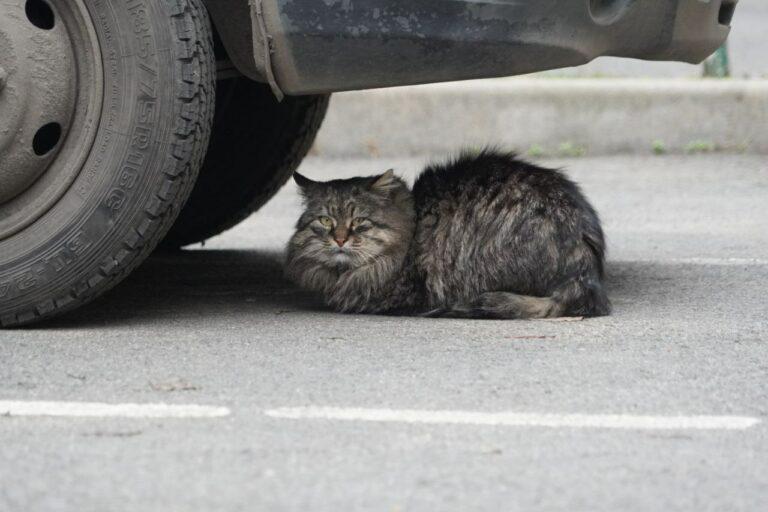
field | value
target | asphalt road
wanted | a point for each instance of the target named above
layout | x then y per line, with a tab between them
220	327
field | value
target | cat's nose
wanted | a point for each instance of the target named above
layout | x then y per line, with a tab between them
340	241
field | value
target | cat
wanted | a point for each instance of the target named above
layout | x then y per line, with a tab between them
485	235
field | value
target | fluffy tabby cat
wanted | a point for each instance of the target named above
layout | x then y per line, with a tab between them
484	236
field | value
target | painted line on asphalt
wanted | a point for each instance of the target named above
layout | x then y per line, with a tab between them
718	262
514	419
102	410
722	261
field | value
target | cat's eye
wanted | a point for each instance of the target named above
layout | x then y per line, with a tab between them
325	221
359	220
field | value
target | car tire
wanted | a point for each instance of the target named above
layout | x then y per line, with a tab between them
256	144
148	70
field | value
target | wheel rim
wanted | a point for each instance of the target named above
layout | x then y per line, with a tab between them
51	88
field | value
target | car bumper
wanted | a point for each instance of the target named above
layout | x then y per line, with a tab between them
334	45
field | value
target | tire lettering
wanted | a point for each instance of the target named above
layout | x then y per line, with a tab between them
115	200
27	280
67	254
141	137
141	134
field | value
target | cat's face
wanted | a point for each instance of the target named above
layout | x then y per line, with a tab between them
351	223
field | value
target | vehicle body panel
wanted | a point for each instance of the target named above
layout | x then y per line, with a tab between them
312	46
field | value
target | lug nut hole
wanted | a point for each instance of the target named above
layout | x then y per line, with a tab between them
40	14
46	138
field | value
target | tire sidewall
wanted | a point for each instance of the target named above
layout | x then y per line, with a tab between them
120	189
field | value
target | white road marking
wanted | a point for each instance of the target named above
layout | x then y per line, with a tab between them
722	262
101	410
513	419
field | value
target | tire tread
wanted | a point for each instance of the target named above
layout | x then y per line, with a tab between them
251	179
195	104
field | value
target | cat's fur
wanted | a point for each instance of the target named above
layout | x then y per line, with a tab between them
484	236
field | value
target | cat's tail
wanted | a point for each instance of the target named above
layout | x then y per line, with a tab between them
575	297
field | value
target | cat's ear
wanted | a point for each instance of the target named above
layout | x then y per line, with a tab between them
386	182
303	182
